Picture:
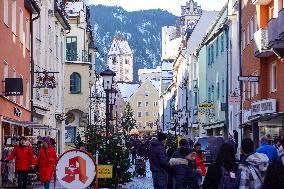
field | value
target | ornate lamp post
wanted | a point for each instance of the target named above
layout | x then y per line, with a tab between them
107	85
112	100
175	116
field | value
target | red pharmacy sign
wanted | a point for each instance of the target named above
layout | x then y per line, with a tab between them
76	169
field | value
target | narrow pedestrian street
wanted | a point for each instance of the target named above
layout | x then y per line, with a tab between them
95	92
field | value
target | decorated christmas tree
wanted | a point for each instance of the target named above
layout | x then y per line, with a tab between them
112	150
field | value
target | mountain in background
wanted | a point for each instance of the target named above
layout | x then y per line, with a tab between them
141	28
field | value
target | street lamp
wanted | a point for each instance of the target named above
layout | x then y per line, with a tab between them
112	99
175	116
108	76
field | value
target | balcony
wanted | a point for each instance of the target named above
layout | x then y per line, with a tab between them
261	48
281	24
60	13
274	31
72	56
261	2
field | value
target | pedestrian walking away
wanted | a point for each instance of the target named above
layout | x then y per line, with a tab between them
267	149
253	166
274	177
184	171
24	161
159	164
223	173
46	160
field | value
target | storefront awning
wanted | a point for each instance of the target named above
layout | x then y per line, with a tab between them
26	124
214	125
262	117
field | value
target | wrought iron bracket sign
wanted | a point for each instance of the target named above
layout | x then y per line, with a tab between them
45	80
17	112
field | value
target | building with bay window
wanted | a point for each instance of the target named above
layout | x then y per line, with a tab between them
79	70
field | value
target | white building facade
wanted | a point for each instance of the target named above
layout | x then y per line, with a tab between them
49	32
120	59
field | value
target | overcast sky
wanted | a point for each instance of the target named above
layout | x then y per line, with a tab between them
172	6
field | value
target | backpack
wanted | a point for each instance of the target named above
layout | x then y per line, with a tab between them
228	180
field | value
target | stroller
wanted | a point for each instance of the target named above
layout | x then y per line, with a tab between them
140	166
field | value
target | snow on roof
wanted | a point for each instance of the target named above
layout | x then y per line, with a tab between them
73	8
122	44
127	89
200	29
156	83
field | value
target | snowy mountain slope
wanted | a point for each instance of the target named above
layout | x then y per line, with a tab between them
141	28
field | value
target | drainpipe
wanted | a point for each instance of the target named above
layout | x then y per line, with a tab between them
226	132
240	63
32	54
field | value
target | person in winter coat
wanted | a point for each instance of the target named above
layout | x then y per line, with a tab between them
274	177
199	159
159	161
46	159
225	160
184	173
142	149
253	167
170	152
267	149
24	161
183	143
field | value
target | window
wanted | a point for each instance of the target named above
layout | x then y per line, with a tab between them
14	76
209	55
6	12
223	88
244	40
38	23
249	90
139	123
146	93
250	29
27	33
155	104
126	71
56	45
247	35
21	97
139	114
217	46
139	104
146	103
14	16
75	83
222	43
71	48
126	61
114	60
195	99
255	22
212	54
256	88
209	94
21	32
70	134
244	90
213	93
218	91
273	78
27	94
6	72
146	114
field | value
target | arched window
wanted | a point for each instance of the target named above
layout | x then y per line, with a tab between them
75	83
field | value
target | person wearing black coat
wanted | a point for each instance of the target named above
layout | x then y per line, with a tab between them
142	149
159	161
184	172
225	158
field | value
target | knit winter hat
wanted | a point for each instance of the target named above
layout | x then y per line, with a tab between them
47	140
185	151
161	136
183	143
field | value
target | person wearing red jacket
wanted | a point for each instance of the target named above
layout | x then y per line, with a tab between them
46	159
24	161
199	159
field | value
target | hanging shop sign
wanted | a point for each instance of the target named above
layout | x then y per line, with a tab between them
76	169
45	80
234	98
263	107
13	86
205	105
17	112
249	78
105	171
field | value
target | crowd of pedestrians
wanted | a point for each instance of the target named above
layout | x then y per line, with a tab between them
184	168
28	157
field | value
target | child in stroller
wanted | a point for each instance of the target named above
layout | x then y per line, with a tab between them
140	166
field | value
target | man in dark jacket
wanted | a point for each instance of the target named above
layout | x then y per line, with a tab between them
183	143
142	149
159	161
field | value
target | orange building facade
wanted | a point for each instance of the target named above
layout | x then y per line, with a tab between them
15	59
262	56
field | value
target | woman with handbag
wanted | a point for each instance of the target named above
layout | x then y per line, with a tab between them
46	159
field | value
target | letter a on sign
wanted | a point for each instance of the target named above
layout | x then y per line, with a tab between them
76	169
